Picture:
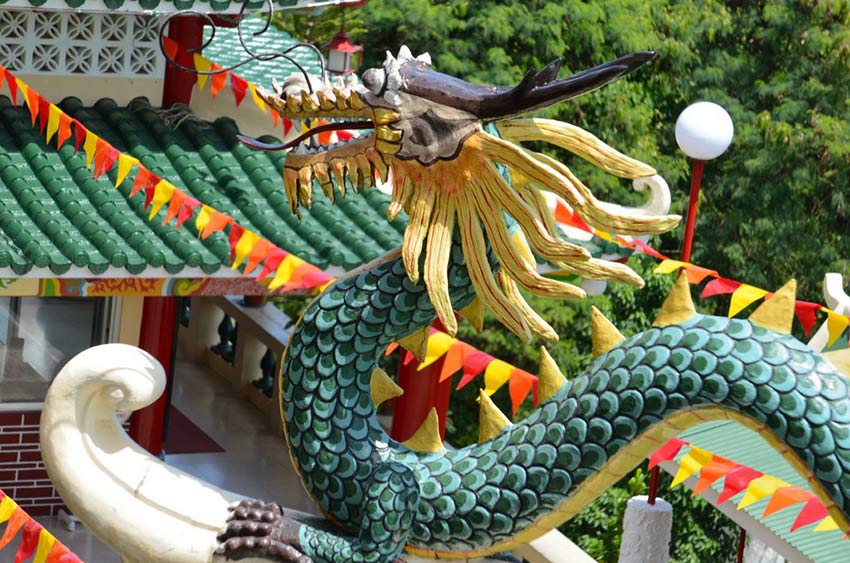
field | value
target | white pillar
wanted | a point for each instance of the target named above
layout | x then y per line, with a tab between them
646	531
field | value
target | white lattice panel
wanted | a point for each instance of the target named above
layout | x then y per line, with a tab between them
76	43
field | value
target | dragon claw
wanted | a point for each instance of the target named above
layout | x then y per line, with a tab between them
260	530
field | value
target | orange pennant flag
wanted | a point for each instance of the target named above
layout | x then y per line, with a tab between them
696	274
257	255
717	468
743	297
171	47
520	386
217	81
56	553
64	129
202	65
217	222
16	521
785	497
177	199
452	362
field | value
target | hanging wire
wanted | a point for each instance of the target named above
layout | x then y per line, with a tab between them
264	56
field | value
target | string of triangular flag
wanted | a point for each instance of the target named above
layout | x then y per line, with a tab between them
743	295
458	355
36	541
287	271
241	88
710	468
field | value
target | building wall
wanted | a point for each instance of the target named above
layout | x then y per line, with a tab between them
22	473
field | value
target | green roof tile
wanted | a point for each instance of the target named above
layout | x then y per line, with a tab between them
54	215
226	50
158	6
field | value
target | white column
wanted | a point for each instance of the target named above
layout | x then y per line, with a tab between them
646	531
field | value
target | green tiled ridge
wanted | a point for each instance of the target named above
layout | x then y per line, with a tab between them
226	50
159	6
54	214
735	442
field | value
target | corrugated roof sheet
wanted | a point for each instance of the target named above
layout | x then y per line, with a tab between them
733	441
55	215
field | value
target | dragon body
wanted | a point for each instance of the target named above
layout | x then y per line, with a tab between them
460	181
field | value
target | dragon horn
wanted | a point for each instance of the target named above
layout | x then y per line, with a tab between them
536	90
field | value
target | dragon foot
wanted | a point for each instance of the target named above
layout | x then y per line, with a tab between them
259	530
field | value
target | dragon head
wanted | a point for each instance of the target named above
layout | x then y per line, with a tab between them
428	140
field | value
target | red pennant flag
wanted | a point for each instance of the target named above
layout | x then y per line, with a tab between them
12	82
785	497
171	47
275	117
43	113
287	125
2	75
476	362
174	205
310	277
344	135
814	511
806	313
272	261
519	385
150	189
16	521
105	156
29	541
239	87
736	481
33	104
646	249
667	452
80	133
720	286
407	357
141	179
187	209
236	232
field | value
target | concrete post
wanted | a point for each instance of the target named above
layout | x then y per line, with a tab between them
646	531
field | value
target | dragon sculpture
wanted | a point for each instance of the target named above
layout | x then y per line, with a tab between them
452	152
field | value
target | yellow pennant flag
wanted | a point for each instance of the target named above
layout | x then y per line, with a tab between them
203	218
45	544
125	163
257	99
53	122
438	344
669	266
90	146
202	65
243	247
161	195
828	524
496	374
7	507
760	488
743	296
285	270
835	325
691	464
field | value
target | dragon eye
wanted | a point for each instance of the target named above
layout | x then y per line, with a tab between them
374	79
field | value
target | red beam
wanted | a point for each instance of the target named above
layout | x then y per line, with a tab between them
188	31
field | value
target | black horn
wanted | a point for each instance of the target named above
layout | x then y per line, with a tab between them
536	90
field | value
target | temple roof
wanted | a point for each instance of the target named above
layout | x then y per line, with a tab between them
56	220
147	6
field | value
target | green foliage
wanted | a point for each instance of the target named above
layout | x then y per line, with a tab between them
319	26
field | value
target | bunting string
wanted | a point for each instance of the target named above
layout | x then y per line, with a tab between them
278	269
36	541
711	468
743	295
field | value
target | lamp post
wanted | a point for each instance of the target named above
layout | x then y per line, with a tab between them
344	57
703	132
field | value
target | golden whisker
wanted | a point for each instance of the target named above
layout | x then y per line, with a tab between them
437	253
596	269
538	325
417	228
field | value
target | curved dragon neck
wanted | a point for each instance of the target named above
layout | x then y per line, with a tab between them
536	474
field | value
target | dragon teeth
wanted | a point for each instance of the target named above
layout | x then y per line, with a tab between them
308	102
277	87
325	102
341	99
320	170
366	177
337	167
385	133
356	102
290	184
378	164
305	186
293	104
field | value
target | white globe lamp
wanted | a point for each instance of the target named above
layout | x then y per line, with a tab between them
704	131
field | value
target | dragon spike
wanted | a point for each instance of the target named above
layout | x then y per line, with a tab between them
474	313
383	388
605	334
427	438
777	313
416	343
491	420
550	378
678	307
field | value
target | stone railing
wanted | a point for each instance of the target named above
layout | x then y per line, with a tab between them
243	344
